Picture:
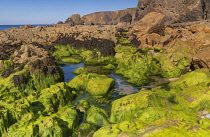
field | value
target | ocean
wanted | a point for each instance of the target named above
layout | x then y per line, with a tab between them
3	27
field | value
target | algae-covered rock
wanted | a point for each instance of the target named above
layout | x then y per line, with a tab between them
85	130
131	106
5	64
135	65
97	116
109	66
100	86
175	126
197	77
95	57
71	60
116	130
176	60
61	124
93	83
81	70
83	105
56	96
195	97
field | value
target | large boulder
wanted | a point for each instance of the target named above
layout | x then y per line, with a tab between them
98	85
153	22
75	18
202	59
136	106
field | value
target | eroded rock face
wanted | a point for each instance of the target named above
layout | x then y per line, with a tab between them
111	17
37	59
176	10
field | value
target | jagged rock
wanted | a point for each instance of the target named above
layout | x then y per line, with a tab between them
75	18
150	23
60	22
202	59
111	17
175	10
37	60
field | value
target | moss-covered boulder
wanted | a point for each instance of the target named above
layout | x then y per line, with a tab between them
97	116
56	96
133	106
81	70
93	83
197	77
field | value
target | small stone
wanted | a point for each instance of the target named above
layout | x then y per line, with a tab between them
207	116
205	112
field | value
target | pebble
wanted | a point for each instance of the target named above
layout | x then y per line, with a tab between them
207	116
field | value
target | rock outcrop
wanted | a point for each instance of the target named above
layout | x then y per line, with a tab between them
176	10
126	16
78	36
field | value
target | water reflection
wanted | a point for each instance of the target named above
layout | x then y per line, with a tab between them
68	69
122	86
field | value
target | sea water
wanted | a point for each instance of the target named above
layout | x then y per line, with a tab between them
3	27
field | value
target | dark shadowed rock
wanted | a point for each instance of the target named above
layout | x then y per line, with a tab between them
60	22
19	79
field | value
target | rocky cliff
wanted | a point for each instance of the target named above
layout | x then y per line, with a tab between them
174	10
111	17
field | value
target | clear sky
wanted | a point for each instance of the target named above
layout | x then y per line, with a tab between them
52	11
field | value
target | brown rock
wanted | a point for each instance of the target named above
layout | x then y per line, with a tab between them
151	23
175	10
202	58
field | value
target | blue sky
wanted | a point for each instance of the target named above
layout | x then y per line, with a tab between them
52	11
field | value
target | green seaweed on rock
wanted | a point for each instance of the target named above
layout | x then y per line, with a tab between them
81	70
61	124
97	116
93	83
58	95
94	57
135	66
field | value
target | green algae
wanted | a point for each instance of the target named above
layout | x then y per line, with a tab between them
195	97
71	60
123	41
5	64
94	84
81	70
135	66
176	60
61	124
94	57
86	130
97	116
58	95
109	66
197	77
129	107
